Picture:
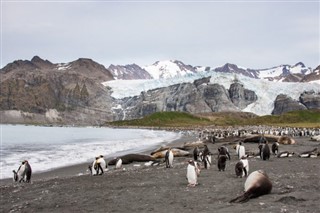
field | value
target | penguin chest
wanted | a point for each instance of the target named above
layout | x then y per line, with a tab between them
191	174
119	164
241	152
170	158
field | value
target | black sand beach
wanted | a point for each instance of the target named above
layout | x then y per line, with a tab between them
140	188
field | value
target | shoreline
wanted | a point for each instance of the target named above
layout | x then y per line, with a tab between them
82	168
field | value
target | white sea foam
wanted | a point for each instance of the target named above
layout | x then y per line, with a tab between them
47	148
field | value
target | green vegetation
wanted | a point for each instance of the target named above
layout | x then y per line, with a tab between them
165	119
305	118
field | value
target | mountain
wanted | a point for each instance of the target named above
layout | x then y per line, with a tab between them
84	92
129	72
170	69
285	73
37	87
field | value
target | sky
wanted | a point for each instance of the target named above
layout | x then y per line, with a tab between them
252	34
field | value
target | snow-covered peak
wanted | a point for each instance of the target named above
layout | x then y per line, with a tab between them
282	71
169	69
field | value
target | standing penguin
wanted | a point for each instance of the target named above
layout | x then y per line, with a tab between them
223	150
195	153
275	148
169	158
265	151
241	151
242	167
118	163
207	161
24	172
192	175
222	159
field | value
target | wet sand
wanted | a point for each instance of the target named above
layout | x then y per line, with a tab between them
140	188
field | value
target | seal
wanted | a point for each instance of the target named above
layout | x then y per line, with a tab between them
192	174
130	158
176	153
257	184
24	172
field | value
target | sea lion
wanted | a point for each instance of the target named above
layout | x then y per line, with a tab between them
257	184
129	158
24	172
192	174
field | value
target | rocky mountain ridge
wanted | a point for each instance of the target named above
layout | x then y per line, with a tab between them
72	93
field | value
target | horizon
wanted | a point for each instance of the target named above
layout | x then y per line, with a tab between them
252	34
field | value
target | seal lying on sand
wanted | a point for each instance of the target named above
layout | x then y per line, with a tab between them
129	158
176	153
256	139
286	140
257	184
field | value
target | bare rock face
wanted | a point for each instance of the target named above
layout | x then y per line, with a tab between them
310	99
196	97
284	104
240	96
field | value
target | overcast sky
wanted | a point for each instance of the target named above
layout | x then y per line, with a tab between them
252	34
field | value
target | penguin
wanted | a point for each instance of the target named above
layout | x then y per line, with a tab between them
239	169
223	150
118	163
98	166
285	154
256	184
222	162
309	154
24	172
169	158
275	148
195	153
265	151
207	161
242	167
241	151
192	175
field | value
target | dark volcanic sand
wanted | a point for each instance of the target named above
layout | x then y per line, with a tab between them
296	187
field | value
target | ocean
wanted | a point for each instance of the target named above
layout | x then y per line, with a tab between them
48	148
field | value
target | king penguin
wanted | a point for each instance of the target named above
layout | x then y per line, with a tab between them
192	176
169	158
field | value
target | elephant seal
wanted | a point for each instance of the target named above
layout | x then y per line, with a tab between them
257	184
286	140
129	158
176	153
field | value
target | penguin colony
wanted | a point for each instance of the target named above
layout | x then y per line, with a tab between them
257	183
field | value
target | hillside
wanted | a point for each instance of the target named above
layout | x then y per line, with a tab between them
306	118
